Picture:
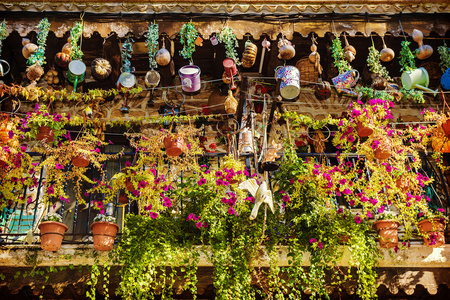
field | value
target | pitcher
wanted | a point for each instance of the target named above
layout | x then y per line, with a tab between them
343	82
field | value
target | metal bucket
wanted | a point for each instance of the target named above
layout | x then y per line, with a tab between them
290	81
190	78
77	70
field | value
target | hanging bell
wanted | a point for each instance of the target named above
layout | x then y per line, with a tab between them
246	141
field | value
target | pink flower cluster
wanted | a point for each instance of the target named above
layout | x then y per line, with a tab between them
199	224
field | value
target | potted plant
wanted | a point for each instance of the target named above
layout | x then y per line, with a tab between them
230	41
431	226
188	35
386	225
44	126
52	232
104	230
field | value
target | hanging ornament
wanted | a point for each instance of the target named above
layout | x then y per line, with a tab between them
265	45
424	51
349	50
246	141
261	193
287	51
386	54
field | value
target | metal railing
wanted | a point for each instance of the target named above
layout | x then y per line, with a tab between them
21	219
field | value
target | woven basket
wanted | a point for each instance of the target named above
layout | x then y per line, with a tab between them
308	73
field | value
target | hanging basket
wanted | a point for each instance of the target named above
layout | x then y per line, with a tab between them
52	234
388	232
432	231
308	72
104	234
384	149
363	131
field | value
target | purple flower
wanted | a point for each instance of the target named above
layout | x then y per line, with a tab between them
148	207
59	166
375	144
201	181
231	210
320	245
199	225
312	241
153	215
142	184
355	113
11	134
286	198
343	181
50	190
357	219
347	191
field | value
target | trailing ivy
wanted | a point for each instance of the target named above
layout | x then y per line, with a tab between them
38	57
373	62
406	61
188	35
75	35
444	53
337	52
151	36
3	34
126	51
228	37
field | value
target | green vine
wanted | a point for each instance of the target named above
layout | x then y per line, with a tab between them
373	62
228	37
188	35
152	43
337	52
38	57
75	35
3	34
127	50
444	52
406	61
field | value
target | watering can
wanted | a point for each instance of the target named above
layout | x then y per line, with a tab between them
229	66
2	70
445	80
417	79
77	70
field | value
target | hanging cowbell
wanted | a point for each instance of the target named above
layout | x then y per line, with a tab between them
246	141
249	55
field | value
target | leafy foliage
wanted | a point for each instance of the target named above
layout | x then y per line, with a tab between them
151	36
444	53
373	62
188	35
406	61
3	34
337	52
75	34
228	37
38	57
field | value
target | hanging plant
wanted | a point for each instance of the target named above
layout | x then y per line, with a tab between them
227	37
337	53
373	62
38	57
406	61
75	35
3	34
188	35
152	43
444	52
127	50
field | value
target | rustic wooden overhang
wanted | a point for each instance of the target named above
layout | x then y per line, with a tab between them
271	17
400	273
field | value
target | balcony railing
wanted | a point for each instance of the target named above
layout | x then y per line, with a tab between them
22	219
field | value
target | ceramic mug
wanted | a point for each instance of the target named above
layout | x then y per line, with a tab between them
346	80
2	70
77	70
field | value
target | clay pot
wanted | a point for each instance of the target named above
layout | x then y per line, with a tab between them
174	145
100	68
249	55
349	51
52	234
432	227
363	131
322	91
287	52
388	232
123	198
28	48
4	135
446	127
129	186
424	51
45	134
62	59
81	160
104	234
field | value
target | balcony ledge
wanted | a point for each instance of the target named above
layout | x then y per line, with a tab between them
416	256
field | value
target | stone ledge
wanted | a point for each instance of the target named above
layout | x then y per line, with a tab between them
416	256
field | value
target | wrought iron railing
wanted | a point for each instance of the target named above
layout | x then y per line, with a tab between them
17	221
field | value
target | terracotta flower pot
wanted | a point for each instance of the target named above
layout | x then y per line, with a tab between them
363	131
81	161
4	136
52	234
388	232
104	235
384	150
129	185
174	145
45	134
433	232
